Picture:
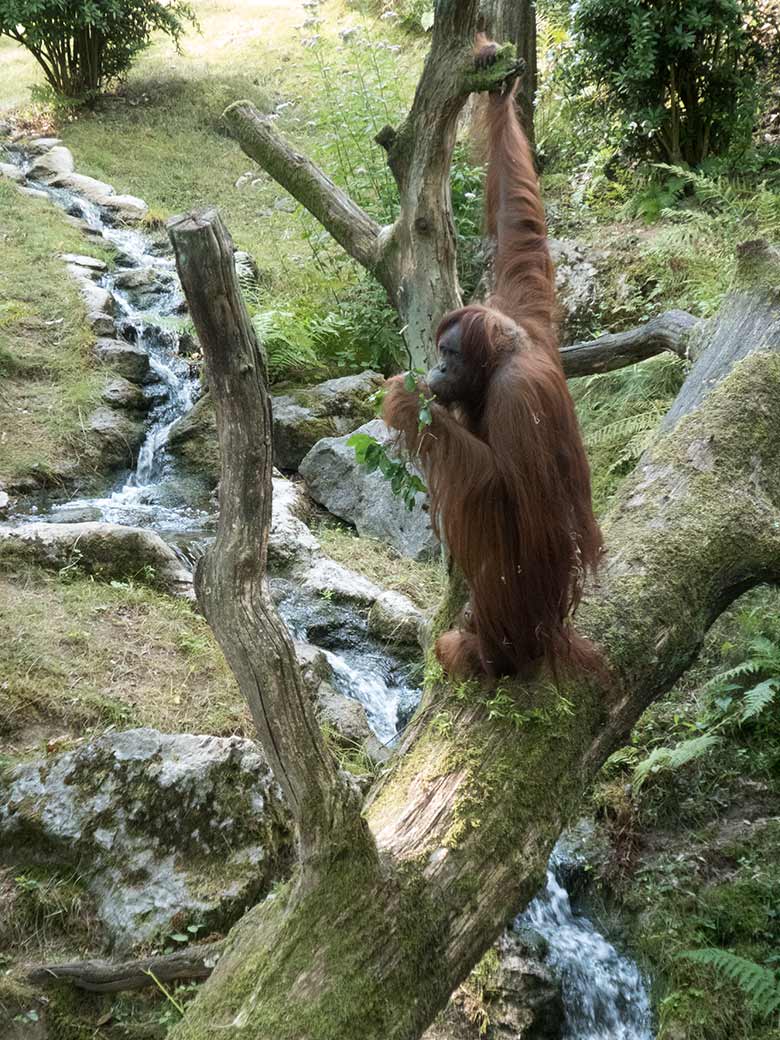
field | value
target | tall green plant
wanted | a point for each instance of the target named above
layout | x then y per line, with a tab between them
81	45
682	74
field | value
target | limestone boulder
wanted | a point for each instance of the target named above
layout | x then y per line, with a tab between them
40	145
304	415
121	393
11	173
577	286
160	827
193	439
393	618
300	418
56	162
127	359
88	187
109	551
291	545
336	480
116	437
338	584
88	266
123	209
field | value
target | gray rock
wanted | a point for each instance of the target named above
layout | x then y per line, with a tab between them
88	263
102	324
11	172
160	827
40	145
5	503
127	359
76	515
142	285
124	209
347	721
117	437
314	665
522	1001
99	301
303	416
290	542
336	479
525	1001
34	193
56	162
577	288
332	581
344	716
193	439
394	618
108	550
87	187
121	393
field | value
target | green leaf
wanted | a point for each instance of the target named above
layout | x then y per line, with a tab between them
179	937
410	383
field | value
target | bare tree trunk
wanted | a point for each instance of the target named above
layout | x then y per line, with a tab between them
515	20
231	578
392	916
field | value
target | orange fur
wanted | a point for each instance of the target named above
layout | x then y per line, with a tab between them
508	477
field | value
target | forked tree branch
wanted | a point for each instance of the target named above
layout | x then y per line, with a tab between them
415	257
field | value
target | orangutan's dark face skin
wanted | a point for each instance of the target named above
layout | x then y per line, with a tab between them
451	380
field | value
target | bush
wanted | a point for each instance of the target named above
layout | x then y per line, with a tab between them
683	75
82	45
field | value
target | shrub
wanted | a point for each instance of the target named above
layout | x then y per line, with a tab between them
683	75
81	45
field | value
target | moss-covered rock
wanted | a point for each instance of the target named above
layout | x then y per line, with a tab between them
301	417
163	829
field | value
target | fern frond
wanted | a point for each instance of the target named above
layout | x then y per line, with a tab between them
622	429
758	698
665	759
760	984
739	671
767	650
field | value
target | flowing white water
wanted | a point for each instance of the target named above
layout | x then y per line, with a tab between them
604	994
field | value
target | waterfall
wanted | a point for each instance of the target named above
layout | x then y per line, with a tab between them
604	994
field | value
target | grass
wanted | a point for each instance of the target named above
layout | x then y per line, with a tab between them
161	136
81	655
424	583
47	379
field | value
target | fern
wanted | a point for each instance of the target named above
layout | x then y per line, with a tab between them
760	984
287	342
628	427
763	662
758	698
666	759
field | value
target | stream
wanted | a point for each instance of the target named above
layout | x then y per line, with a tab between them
604	995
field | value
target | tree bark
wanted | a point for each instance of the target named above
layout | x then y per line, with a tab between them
515	20
670	331
230	581
196	962
460	828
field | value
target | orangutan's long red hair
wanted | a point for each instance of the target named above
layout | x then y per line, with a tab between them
507	473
